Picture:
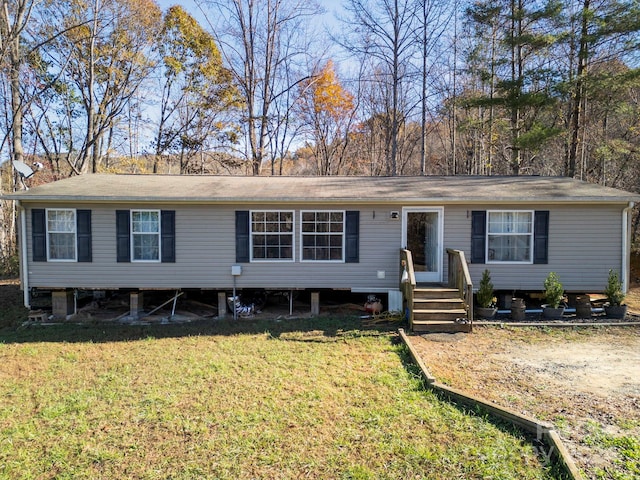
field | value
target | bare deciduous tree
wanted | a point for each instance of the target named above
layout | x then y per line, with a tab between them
259	39
15	15
385	31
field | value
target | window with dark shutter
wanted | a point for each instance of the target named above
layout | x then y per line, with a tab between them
168	241
478	236
152	230
513	236
83	219
352	236
69	233
242	236
541	237
123	241
39	234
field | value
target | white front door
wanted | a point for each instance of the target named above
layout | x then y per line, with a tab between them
422	235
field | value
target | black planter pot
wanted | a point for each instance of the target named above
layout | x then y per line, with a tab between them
615	311
551	313
486	312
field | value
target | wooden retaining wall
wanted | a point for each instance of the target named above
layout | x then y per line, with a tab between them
545	432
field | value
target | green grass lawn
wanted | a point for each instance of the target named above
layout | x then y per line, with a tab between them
282	400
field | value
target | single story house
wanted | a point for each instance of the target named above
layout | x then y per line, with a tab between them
142	232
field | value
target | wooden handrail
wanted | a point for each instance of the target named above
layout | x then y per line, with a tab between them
407	282
460	278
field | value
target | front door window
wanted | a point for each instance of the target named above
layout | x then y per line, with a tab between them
423	237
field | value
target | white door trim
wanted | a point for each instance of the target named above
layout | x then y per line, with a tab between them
427	277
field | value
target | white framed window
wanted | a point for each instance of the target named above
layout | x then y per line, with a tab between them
145	235
509	236
61	235
271	233
322	236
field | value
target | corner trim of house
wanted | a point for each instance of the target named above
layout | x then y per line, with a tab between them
24	270
626	246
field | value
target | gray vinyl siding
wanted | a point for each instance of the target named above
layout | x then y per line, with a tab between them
205	252
584	243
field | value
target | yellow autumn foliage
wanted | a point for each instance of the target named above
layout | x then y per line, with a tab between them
328	95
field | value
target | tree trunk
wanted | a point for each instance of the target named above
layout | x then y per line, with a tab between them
578	92
8	246
516	79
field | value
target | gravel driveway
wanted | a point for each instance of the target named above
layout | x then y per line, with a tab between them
585	381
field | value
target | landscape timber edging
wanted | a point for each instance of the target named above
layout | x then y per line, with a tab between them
555	324
544	431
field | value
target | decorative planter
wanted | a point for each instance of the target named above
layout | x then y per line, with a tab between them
583	310
486	312
615	311
518	309
583	306
551	313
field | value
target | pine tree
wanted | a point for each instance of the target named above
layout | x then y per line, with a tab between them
520	81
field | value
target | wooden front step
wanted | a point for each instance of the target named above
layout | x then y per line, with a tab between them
438	309
441	327
438	303
435	292
438	315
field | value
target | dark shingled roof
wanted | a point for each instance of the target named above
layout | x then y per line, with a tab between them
239	189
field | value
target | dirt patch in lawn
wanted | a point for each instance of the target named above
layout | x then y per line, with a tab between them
585	381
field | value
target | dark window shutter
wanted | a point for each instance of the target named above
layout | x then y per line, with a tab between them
168	235
39	234
123	240
352	237
242	236
478	236
83	224
541	237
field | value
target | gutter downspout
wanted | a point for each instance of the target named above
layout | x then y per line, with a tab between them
626	251
24	268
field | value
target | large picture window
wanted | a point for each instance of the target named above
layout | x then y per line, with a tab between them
145	235
61	234
272	235
322	235
509	236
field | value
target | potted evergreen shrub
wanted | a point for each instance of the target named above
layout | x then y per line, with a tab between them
485	298
615	296
553	295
